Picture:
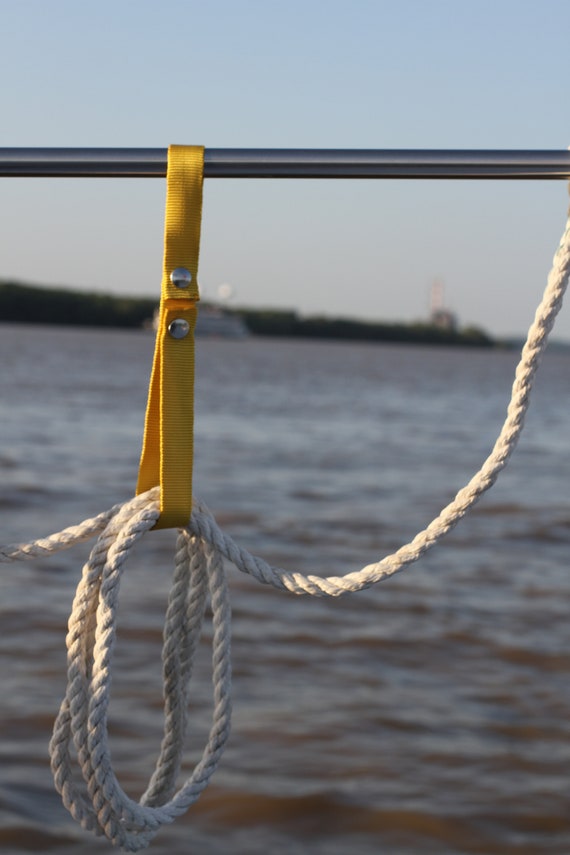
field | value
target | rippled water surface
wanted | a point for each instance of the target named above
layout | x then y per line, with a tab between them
427	715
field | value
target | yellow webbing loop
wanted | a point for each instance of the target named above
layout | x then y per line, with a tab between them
167	451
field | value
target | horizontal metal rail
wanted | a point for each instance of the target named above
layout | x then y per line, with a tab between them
289	163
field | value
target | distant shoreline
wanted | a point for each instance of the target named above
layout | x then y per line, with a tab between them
33	304
277	323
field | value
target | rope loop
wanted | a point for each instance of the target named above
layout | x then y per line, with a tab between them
104	807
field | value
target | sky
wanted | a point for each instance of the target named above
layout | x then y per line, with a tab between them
442	74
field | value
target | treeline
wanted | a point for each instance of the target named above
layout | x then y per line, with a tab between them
37	305
34	305
289	323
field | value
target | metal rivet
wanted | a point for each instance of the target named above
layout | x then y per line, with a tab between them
179	328
181	278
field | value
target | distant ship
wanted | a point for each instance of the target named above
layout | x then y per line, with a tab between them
214	322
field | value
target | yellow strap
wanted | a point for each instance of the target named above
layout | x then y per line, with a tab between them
167	451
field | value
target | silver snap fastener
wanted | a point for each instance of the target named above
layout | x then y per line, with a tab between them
179	328
180	277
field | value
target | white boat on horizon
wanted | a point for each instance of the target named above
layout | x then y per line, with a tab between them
215	322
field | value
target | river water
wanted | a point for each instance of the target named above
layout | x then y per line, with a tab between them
430	714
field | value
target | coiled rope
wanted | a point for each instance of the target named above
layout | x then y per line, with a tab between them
99	804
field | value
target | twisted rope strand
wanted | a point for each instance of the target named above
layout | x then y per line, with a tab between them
66	538
203	524
182	631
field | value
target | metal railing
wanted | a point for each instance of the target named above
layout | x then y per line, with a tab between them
290	163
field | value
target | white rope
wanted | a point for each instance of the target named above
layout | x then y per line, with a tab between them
203	524
83	714
98	803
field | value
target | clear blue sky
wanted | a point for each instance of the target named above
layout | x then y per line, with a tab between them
294	73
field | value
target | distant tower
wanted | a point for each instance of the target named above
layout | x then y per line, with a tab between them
436	301
439	316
